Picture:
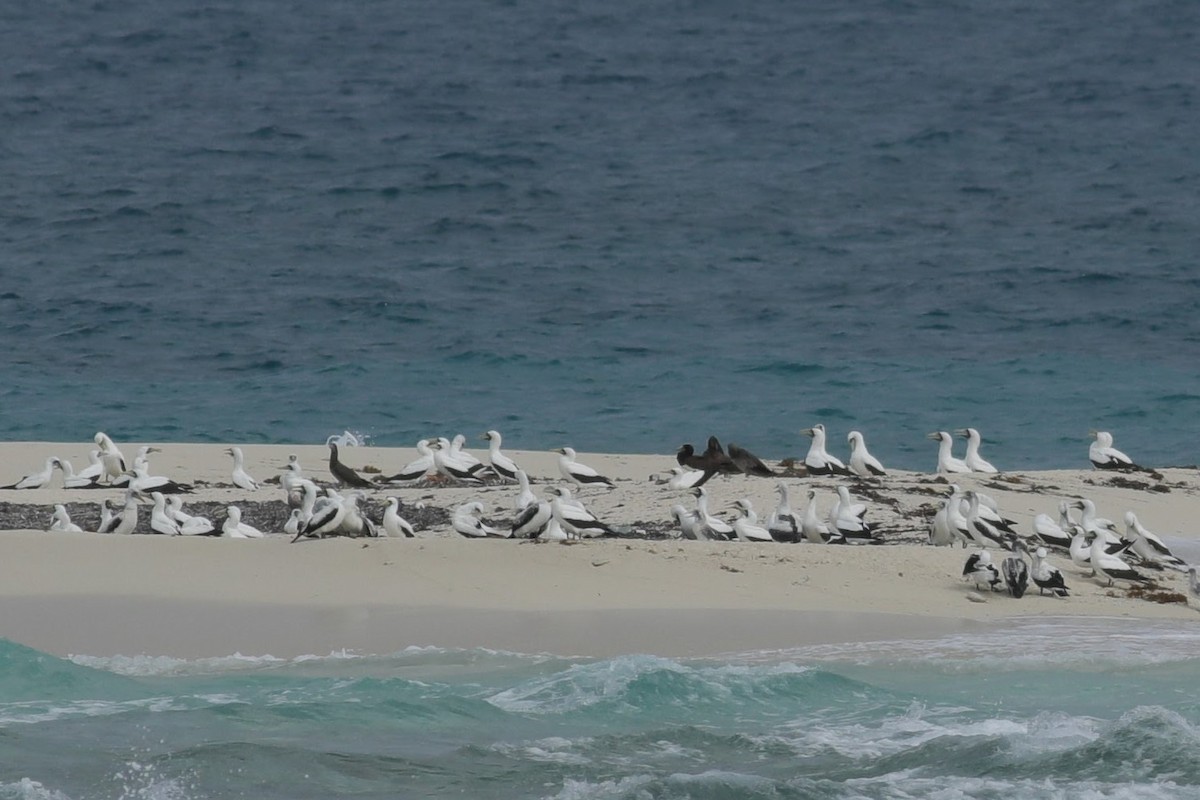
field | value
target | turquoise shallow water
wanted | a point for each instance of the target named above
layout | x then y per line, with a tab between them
619	228
1048	709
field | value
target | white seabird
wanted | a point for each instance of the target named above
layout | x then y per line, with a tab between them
234	528
974	461
110	457
395	525
579	474
940	533
1046	576
746	524
533	520
356	523
418	468
294	523
525	497
1103	455
73	480
501	464
862	463
125	521
61	521
1193	581
783	523
1105	528
160	520
1148	546
468	521
690	525
1110	567
447	465
36	480
1081	551
980	569
813	528
94	471
457	453
189	524
241	478
683	478
983	530
846	521
106	516
947	463
719	528
818	460
142	483
1051	533
325	518
573	517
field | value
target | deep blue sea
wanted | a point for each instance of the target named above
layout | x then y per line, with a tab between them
620	226
1043	711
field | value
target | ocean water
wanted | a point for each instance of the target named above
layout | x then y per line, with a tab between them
620	228
1055	709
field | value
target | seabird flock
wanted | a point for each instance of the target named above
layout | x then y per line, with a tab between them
970	518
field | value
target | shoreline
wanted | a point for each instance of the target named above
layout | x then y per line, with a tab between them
89	594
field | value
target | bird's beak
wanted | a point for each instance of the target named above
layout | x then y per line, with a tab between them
961	432
809	432
936	435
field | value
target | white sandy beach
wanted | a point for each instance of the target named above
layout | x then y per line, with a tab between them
185	596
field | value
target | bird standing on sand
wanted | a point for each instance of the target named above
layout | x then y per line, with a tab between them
1016	571
862	463
110	457
579	474
468	521
343	474
746	524
61	521
160	520
1103	455
234	528
1110	567
974	461
1047	577
241	478
395	525
946	462
36	480
416	469
783	523
501	464
980	569
818	460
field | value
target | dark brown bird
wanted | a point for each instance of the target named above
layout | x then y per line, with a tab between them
343	474
748	463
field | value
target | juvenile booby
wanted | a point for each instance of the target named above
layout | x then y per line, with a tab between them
579	474
1148	546
974	461
947	463
501	464
343	474
1103	455
979	569
783	523
862	463
719	528
73	480
1046	576
417	468
190	525
746	526
468	521
748	463
36	480
1016	572
61	521
241	478
234	528
1110	567
110	457
818	460
711	462
160	520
